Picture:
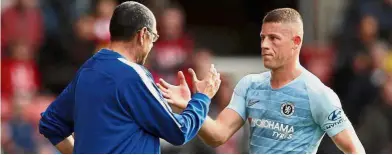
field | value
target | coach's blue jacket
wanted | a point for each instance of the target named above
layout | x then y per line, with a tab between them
113	106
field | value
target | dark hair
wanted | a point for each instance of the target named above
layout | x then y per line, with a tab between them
283	15
128	18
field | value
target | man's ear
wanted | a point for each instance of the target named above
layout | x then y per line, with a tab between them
297	40
141	35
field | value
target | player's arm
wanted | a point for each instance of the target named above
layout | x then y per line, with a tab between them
330	116
217	132
230	120
348	142
56	123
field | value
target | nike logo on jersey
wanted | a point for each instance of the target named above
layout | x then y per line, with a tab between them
252	102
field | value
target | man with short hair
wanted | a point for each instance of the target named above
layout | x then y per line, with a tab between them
288	108
113	106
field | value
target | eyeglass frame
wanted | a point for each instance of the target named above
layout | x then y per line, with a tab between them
155	36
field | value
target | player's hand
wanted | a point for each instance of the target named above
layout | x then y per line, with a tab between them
209	85
177	96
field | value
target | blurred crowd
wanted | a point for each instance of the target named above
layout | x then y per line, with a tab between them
43	42
357	65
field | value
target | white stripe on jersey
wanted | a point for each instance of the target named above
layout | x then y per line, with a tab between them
148	82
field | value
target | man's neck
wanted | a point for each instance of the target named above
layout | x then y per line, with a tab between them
284	75
123	50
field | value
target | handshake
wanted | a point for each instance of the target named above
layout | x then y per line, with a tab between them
179	95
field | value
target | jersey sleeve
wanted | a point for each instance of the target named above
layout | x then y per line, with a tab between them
238	99
56	122
152	113
328	113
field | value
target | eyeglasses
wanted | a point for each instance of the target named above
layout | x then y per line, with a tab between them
155	36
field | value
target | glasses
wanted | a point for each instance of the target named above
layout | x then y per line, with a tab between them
155	36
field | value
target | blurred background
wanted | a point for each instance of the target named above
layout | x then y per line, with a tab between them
347	44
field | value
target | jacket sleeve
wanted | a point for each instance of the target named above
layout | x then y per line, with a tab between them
56	122
151	111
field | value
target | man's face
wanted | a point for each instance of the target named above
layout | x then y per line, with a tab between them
149	36
368	27
105	8
276	45
27	4
172	23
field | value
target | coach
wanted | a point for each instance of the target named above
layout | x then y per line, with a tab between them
113	106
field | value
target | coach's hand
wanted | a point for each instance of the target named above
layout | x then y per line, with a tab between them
180	95
177	96
209	85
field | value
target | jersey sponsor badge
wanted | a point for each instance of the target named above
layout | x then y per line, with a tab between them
287	109
335	115
335	118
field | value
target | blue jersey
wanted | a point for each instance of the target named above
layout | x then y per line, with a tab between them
113	106
292	119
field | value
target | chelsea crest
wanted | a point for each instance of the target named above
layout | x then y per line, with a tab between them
287	109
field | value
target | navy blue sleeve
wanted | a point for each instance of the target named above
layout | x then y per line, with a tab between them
56	122
153	114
